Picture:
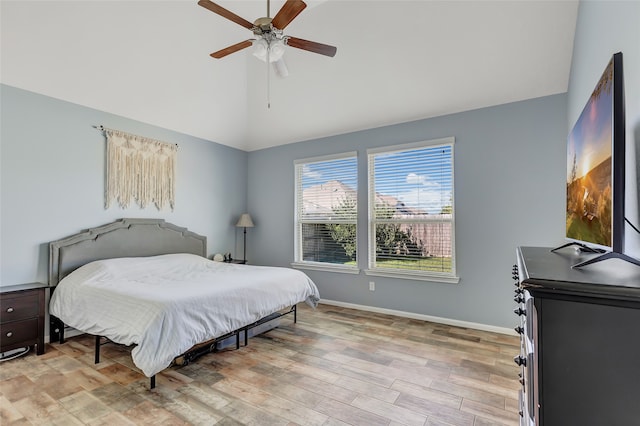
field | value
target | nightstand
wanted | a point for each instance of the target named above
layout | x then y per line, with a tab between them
22	316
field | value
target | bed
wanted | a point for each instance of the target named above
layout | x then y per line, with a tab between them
148	283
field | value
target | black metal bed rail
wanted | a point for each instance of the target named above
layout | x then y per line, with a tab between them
211	345
266	319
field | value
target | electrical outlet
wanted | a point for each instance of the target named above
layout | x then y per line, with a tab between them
372	286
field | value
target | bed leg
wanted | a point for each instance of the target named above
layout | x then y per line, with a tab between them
295	314
246	336
97	351
152	384
237	339
56	330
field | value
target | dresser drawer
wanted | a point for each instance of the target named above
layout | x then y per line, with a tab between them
18	332
20	307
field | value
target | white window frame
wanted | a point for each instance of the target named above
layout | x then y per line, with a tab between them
372	221
298	258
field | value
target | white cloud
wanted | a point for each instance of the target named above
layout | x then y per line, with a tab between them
414	179
308	173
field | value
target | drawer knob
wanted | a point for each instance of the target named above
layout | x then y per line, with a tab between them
9	334
520	312
9	309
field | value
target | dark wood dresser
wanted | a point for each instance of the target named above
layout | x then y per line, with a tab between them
580	339
22	316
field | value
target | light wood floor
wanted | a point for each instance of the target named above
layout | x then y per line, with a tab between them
336	366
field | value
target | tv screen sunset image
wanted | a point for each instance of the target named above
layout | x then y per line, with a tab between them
589	168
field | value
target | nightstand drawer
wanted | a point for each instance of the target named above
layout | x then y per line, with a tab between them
16	332
17	308
22	314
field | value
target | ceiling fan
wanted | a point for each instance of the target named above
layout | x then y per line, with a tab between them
269	38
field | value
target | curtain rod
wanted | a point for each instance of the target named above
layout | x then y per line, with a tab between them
104	129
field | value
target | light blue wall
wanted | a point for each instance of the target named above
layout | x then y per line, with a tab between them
509	191
52	181
604	28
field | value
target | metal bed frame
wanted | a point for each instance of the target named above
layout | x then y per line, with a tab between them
211	345
135	238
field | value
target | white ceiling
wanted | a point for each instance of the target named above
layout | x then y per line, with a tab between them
397	61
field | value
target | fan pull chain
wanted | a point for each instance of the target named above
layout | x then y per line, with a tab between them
268	80
268	50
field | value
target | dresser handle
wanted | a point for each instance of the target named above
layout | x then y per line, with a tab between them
9	309
9	334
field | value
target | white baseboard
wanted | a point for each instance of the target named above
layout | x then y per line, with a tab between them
440	320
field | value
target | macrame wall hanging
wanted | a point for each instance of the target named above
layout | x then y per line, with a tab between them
139	169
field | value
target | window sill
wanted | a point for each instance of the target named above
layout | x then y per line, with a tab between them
317	266
409	275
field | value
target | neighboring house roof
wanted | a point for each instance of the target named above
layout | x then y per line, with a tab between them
321	201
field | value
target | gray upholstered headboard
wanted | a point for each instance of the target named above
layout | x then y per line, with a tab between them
122	238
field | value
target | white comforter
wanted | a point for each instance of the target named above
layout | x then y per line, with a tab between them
166	304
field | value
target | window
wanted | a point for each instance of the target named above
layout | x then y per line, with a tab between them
326	212
411	211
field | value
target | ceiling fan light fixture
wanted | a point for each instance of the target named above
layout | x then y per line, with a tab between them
275	49
281	68
260	47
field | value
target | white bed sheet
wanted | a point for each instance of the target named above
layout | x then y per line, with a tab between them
166	304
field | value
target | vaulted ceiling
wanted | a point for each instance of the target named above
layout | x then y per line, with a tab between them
397	61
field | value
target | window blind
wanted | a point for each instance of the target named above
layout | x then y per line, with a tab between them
326	209
411	226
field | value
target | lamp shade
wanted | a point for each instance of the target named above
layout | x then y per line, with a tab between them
245	221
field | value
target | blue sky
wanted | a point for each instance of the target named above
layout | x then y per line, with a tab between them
325	171
424	181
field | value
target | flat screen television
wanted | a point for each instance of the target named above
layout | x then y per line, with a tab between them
596	170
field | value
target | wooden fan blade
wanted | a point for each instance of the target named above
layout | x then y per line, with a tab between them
208	4
231	49
287	13
312	46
